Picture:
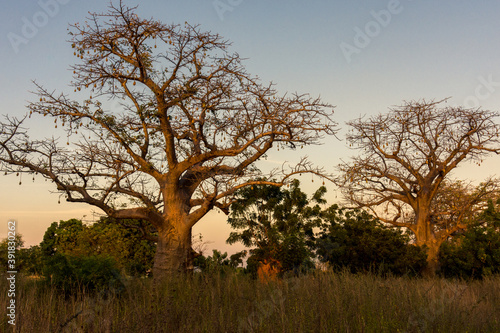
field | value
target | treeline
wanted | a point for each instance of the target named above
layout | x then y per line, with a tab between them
96	256
287	233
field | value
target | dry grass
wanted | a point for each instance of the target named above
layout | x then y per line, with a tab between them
323	302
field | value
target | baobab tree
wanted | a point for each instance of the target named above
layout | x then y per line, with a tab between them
405	157
191	125
458	203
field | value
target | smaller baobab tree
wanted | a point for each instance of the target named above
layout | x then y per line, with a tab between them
405	157
188	128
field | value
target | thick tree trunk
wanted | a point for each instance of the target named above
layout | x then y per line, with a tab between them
173	253
425	236
432	259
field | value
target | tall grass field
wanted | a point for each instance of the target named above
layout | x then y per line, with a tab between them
320	302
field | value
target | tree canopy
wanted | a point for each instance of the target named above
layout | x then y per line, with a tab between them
277	224
406	156
191	125
132	254
359	242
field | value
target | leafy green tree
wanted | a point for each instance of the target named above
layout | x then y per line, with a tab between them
31	262
219	262
278	223
356	240
90	273
476	252
132	253
125	241
62	237
16	243
28	260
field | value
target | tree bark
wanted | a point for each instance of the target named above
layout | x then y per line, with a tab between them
174	252
424	235
432	259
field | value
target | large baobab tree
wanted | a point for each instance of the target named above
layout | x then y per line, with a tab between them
191	125
406	155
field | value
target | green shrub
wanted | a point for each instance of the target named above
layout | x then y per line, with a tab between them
93	273
359	242
476	253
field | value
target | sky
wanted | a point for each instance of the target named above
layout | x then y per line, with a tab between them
363	57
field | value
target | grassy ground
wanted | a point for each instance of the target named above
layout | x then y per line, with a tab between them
323	302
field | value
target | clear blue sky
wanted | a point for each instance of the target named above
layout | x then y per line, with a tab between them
361	56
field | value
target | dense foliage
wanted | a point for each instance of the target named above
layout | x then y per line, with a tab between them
93	257
476	252
280	225
90	273
27	260
277	224
355	240
219	262
132	254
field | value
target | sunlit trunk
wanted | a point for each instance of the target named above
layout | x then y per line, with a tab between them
432	260
173	253
424	236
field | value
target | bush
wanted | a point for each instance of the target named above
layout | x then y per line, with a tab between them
92	273
219	263
31	262
359	242
476	253
27	260
132	254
